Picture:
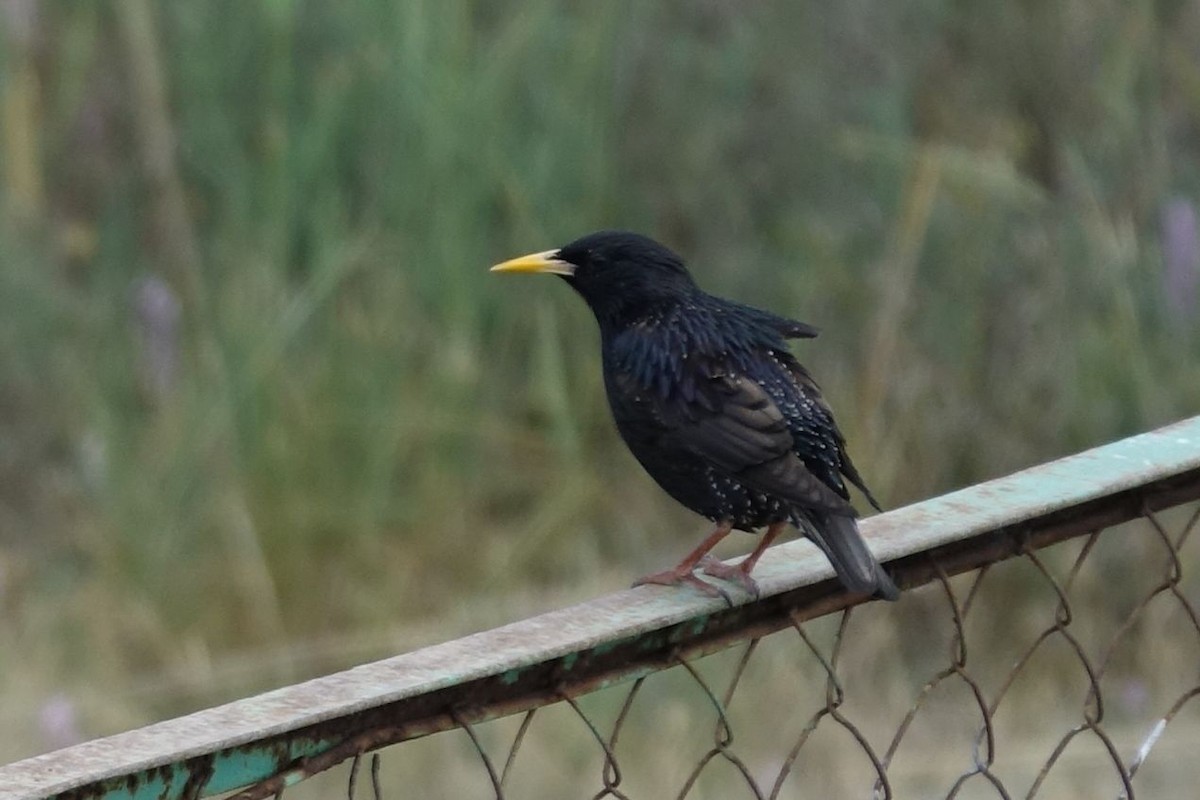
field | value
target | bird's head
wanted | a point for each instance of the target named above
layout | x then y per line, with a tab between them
621	275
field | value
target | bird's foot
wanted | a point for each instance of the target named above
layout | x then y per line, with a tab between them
734	573
676	577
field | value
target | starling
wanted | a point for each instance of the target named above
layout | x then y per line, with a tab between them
713	404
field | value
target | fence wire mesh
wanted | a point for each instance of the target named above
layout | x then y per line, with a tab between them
1065	672
1046	645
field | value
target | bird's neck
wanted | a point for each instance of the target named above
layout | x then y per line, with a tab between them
700	331
646	315
662	342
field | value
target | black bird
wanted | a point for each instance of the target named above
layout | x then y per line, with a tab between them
710	400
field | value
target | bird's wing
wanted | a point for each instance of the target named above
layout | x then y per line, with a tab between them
785	327
808	387
732	424
795	329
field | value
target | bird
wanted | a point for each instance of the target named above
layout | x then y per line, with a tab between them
709	398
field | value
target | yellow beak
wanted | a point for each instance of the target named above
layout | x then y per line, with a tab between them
545	261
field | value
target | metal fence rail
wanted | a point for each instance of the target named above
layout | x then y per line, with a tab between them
618	646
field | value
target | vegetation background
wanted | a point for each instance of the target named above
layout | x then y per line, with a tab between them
264	414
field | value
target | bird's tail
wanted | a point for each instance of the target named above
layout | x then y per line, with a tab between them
837	535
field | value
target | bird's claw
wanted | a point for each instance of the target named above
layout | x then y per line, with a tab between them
730	572
672	577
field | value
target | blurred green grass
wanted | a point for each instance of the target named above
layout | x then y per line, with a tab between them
366	432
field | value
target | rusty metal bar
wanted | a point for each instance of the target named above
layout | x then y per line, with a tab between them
290	733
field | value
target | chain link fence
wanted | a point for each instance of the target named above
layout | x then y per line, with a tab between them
1099	664
1047	645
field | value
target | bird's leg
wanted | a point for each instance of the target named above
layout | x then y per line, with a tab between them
682	572
740	573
